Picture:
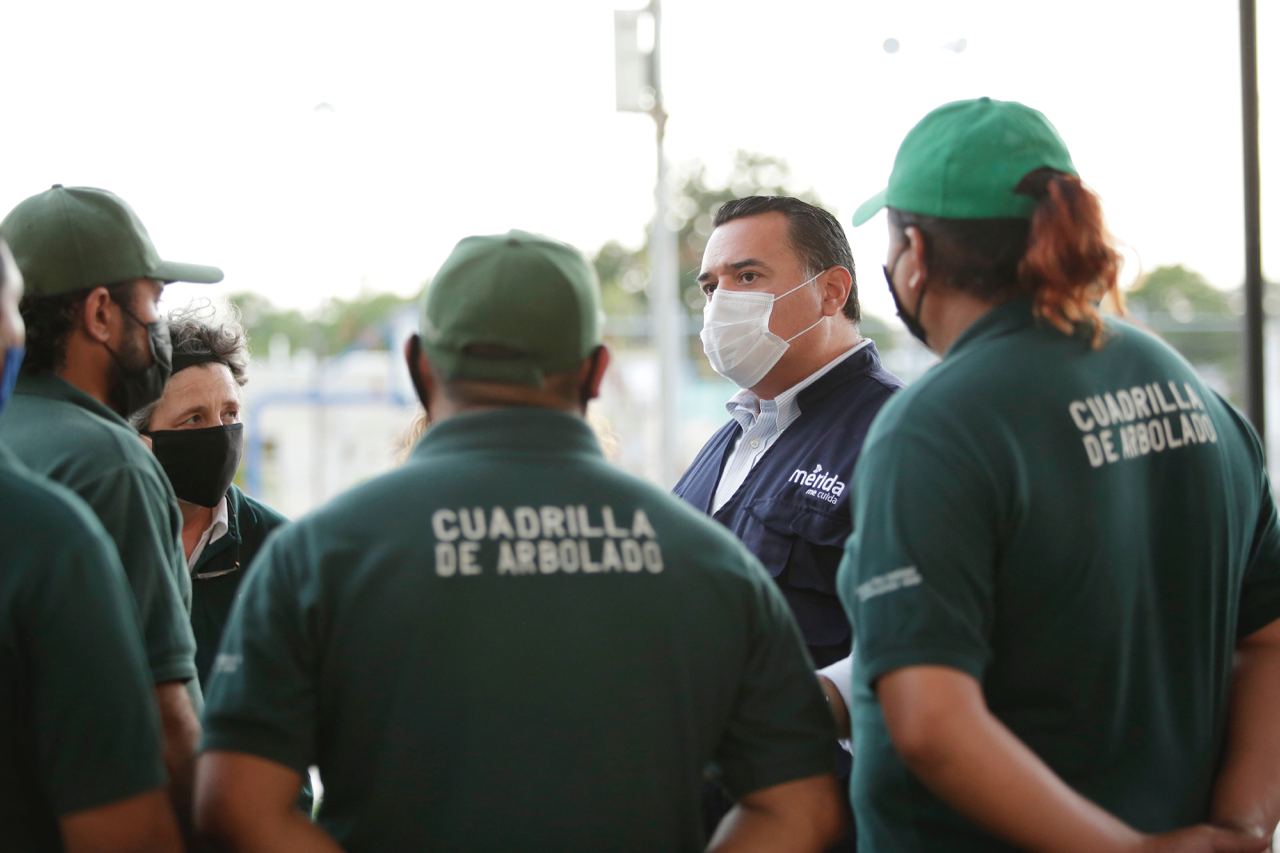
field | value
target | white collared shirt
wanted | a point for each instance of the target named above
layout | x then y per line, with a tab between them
217	529
762	421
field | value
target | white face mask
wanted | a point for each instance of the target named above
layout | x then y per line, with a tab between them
736	336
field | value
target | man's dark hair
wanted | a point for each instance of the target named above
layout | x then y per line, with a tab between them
50	319
977	256
1063	256
563	385
815	235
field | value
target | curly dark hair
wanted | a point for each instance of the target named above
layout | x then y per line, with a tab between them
200	336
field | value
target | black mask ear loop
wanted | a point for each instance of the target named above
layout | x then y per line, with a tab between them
419	384
585	391
912	322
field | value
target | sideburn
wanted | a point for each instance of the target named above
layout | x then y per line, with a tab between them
584	393
419	384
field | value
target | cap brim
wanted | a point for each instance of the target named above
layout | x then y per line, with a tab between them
194	273
869	208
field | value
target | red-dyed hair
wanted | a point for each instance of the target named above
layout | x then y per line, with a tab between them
1063	257
1070	263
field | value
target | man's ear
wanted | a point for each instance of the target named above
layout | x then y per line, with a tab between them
835	285
95	318
593	371
917	255
419	369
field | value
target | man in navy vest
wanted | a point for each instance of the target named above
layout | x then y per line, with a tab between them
781	322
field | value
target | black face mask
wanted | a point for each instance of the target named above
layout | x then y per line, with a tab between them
911	322
133	387
201	463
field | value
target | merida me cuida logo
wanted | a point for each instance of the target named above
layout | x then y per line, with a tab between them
823	485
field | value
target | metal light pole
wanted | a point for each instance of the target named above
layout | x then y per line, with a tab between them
639	89
1254	316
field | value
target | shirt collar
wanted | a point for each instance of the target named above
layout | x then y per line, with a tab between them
215	531
219	527
54	387
744	406
514	429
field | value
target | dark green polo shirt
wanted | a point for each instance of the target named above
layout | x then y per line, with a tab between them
508	644
221	568
78	725
1086	533
69	437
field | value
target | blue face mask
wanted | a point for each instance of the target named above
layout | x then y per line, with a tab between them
9	375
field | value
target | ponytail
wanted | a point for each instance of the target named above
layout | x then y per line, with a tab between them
1070	263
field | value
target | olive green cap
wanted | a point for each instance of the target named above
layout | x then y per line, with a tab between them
965	160
67	239
511	308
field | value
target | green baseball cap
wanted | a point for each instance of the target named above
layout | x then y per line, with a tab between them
73	238
511	308
965	160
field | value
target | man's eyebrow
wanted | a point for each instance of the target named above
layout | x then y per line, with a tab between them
736	265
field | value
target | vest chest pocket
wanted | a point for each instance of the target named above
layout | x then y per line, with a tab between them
799	546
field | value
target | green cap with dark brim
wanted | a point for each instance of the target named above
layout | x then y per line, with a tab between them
511	308
966	159
68	239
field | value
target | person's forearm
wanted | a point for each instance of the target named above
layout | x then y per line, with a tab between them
982	770
180	729
283	833
1247	791
143	824
747	830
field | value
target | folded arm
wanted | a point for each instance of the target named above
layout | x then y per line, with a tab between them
941	727
1247	793
248	804
794	817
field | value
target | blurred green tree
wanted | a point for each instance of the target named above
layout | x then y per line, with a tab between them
624	273
1197	319
338	325
1179	294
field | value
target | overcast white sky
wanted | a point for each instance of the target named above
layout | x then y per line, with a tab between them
454	118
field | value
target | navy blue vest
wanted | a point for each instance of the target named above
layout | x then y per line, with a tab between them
792	511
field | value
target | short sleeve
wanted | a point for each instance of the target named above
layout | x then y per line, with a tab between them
135	513
918	573
1260	590
97	730
780	729
262	699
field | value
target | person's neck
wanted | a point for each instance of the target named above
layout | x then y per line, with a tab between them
949	314
442	408
196	520
804	361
